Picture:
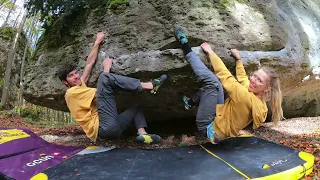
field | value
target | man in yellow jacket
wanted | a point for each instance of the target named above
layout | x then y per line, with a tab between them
218	119
95	109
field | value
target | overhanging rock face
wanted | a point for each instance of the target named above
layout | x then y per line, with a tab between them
140	39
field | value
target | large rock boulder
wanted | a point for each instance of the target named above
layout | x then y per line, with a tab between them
139	36
303	100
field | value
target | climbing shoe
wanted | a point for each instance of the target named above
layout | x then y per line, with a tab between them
188	103
157	83
214	139
148	138
180	35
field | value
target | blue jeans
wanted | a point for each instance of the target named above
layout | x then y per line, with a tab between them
209	95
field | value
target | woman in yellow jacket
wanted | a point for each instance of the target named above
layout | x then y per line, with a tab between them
247	97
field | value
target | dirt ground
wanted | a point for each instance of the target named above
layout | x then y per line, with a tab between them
299	133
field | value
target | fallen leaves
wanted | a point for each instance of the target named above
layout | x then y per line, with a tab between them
18	122
307	143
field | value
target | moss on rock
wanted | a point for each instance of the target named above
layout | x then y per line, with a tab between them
64	29
115	4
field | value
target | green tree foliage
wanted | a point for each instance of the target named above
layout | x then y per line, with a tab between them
62	18
7	4
50	10
3	1
7	33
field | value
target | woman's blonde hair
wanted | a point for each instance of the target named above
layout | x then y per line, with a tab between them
274	95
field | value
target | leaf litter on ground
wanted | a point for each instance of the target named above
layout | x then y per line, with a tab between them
308	141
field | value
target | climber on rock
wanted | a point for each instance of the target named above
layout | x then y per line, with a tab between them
218	119
95	109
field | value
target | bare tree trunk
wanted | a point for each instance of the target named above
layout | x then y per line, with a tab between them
10	61
23	63
58	116
65	117
36	39
70	118
9	13
15	24
47	113
49	116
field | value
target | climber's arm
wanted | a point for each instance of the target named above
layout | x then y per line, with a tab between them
92	57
